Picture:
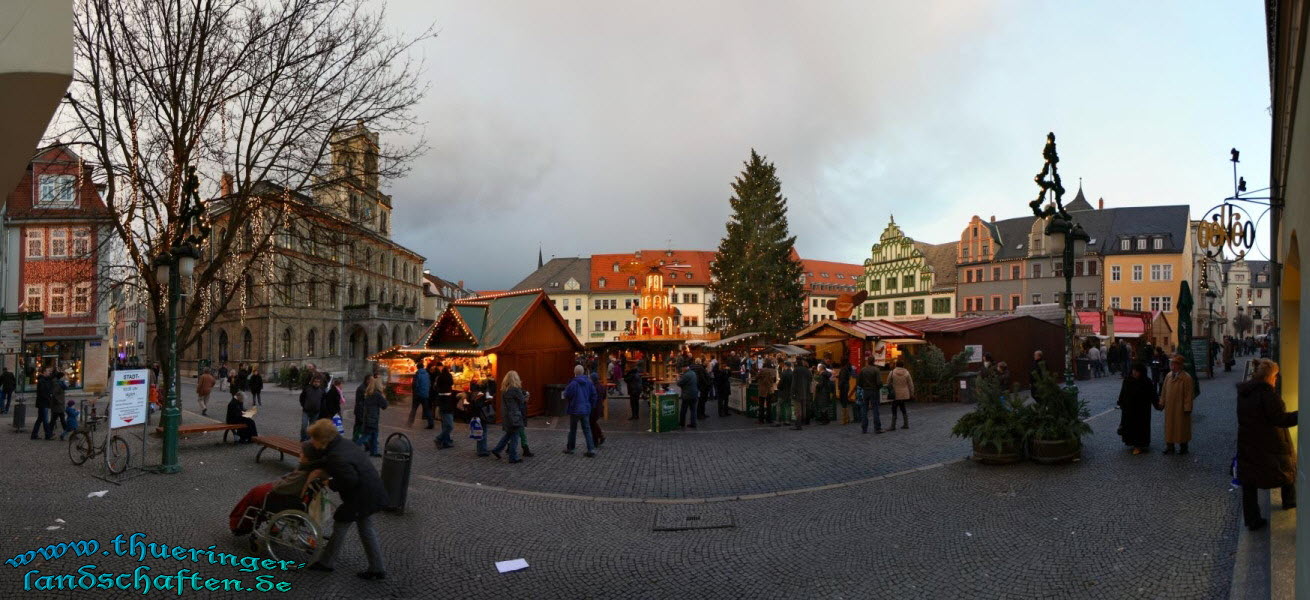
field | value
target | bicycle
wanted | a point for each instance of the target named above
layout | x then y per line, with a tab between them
81	447
295	532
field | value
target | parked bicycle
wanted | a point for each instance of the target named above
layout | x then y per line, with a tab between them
82	447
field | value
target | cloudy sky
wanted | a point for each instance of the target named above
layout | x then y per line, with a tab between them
600	126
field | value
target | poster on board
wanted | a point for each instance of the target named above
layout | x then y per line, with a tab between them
129	397
975	352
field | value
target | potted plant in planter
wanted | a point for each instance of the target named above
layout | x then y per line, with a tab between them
995	426
1054	427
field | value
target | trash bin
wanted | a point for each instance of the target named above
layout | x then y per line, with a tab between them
555	404
1083	368
968	382
664	411
20	414
397	461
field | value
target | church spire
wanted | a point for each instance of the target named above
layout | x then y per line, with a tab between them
540	264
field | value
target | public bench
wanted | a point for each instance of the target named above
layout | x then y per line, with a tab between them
284	446
226	428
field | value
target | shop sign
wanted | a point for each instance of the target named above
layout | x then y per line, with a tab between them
11	337
34	326
975	352
130	395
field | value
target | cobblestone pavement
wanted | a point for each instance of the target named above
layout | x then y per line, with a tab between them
1111	526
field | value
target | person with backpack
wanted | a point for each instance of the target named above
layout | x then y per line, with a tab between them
311	403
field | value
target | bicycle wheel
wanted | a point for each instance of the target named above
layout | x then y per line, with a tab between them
292	535
79	447
117	455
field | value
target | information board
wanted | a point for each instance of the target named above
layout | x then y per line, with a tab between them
129	397
1201	356
975	352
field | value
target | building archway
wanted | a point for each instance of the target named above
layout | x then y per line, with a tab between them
358	343
395	336
222	345
382	338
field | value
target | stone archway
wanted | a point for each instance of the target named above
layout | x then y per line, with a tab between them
358	343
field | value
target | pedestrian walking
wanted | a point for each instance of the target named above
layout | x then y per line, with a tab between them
311	402
222	376
689	392
256	384
204	386
513	416
784	392
358	428
1094	359
1177	398
45	401
634	382
722	388
580	395
902	387
57	405
845	374
421	390
374	403
768	385
7	385
241	380
236	416
1159	368
1136	399
444	389
354	477
1266	458
870	384
800	392
597	411
703	385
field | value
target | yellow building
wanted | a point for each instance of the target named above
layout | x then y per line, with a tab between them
1147	259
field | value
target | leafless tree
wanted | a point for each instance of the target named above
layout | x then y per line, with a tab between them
251	88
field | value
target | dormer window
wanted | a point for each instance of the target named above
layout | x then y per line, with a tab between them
1157	244
600	282
58	190
616	267
668	253
1125	244
1141	243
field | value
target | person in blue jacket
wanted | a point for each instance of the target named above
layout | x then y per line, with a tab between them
581	396
422	387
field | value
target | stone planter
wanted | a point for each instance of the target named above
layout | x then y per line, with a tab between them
988	455
1052	452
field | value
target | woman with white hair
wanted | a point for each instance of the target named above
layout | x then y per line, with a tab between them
362	494
513	415
1266	458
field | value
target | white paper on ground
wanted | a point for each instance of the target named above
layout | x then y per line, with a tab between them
99	494
60	521
52	528
506	566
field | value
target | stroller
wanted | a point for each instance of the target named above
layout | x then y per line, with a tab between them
283	522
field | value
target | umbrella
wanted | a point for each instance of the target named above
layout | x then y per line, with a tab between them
1185	304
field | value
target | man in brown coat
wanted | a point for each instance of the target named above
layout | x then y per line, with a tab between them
203	387
768	384
1176	396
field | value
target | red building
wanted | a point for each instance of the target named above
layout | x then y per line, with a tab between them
55	227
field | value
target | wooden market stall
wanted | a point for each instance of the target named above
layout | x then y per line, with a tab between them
1008	338
852	341
1141	326
488	336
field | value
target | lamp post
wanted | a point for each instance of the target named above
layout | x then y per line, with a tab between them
1068	239
172	264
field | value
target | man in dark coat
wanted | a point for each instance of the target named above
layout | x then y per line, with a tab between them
45	401
722	387
354	477
7	384
1266	458
332	401
703	385
634	382
1136	399
784	391
421	395
801	377
311	402
581	397
870	382
444	389
689	392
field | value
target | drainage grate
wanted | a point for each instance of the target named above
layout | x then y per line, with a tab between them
684	517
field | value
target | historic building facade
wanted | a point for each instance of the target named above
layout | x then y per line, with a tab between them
334	288
1148	255
908	280
438	293
825	280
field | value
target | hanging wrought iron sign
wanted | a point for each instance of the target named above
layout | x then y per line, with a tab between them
1227	232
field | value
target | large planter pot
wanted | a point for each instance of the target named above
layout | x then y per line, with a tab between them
988	454
1051	452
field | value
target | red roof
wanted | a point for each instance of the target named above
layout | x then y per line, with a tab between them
958	324
820	273
56	160
883	329
1091	317
1127	322
697	273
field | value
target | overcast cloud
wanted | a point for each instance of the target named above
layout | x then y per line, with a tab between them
593	127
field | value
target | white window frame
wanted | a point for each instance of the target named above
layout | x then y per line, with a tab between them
82	294
58	242
1155	272
1137	272
1116	273
1091	299
1137	303
34	291
1157	244
1037	298
1125	244
1141	243
81	242
1166	272
35	235
1155	303
66	185
1114	302
1167	304
57	291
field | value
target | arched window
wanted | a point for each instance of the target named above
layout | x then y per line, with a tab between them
250	290
382	296
368	294
332	295
396	337
286	342
332	342
222	345
351	297
382	338
394	266
289	288
311	342
247	345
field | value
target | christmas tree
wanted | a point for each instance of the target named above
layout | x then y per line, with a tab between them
756	284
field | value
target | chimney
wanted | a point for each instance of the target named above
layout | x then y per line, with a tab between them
1100	203
993	218
225	185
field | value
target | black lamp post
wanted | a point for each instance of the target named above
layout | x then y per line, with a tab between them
1067	236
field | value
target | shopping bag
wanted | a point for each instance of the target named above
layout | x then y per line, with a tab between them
475	429
336	420
1233	471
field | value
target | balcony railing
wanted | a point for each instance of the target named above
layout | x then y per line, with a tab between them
374	310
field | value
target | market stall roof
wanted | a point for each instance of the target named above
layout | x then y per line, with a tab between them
827	332
1093	318
960	324
1136	323
482	325
725	342
789	350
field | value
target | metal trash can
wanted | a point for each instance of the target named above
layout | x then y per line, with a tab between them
20	414
556	406
968	387
1083	368
397	461
664	411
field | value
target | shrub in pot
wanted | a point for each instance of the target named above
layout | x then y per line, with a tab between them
995	425
1054	427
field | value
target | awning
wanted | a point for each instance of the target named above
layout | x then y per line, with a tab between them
725	342
789	350
817	341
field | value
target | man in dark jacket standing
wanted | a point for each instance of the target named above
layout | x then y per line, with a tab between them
722	388
355	478
45	401
703	384
689	391
1266	458
444	389
870	383
801	377
634	382
311	402
581	397
7	384
784	391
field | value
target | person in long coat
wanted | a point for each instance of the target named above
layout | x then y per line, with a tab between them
354	477
784	392
1177	395
768	384
1136	399
374	402
513	417
800	392
823	393
1266	458
236	416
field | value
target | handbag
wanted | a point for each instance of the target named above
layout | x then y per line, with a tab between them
488	411
475	429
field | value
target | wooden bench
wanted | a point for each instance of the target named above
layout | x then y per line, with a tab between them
226	428
283	445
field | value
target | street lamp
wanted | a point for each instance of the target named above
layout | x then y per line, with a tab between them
1067	239
172	265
